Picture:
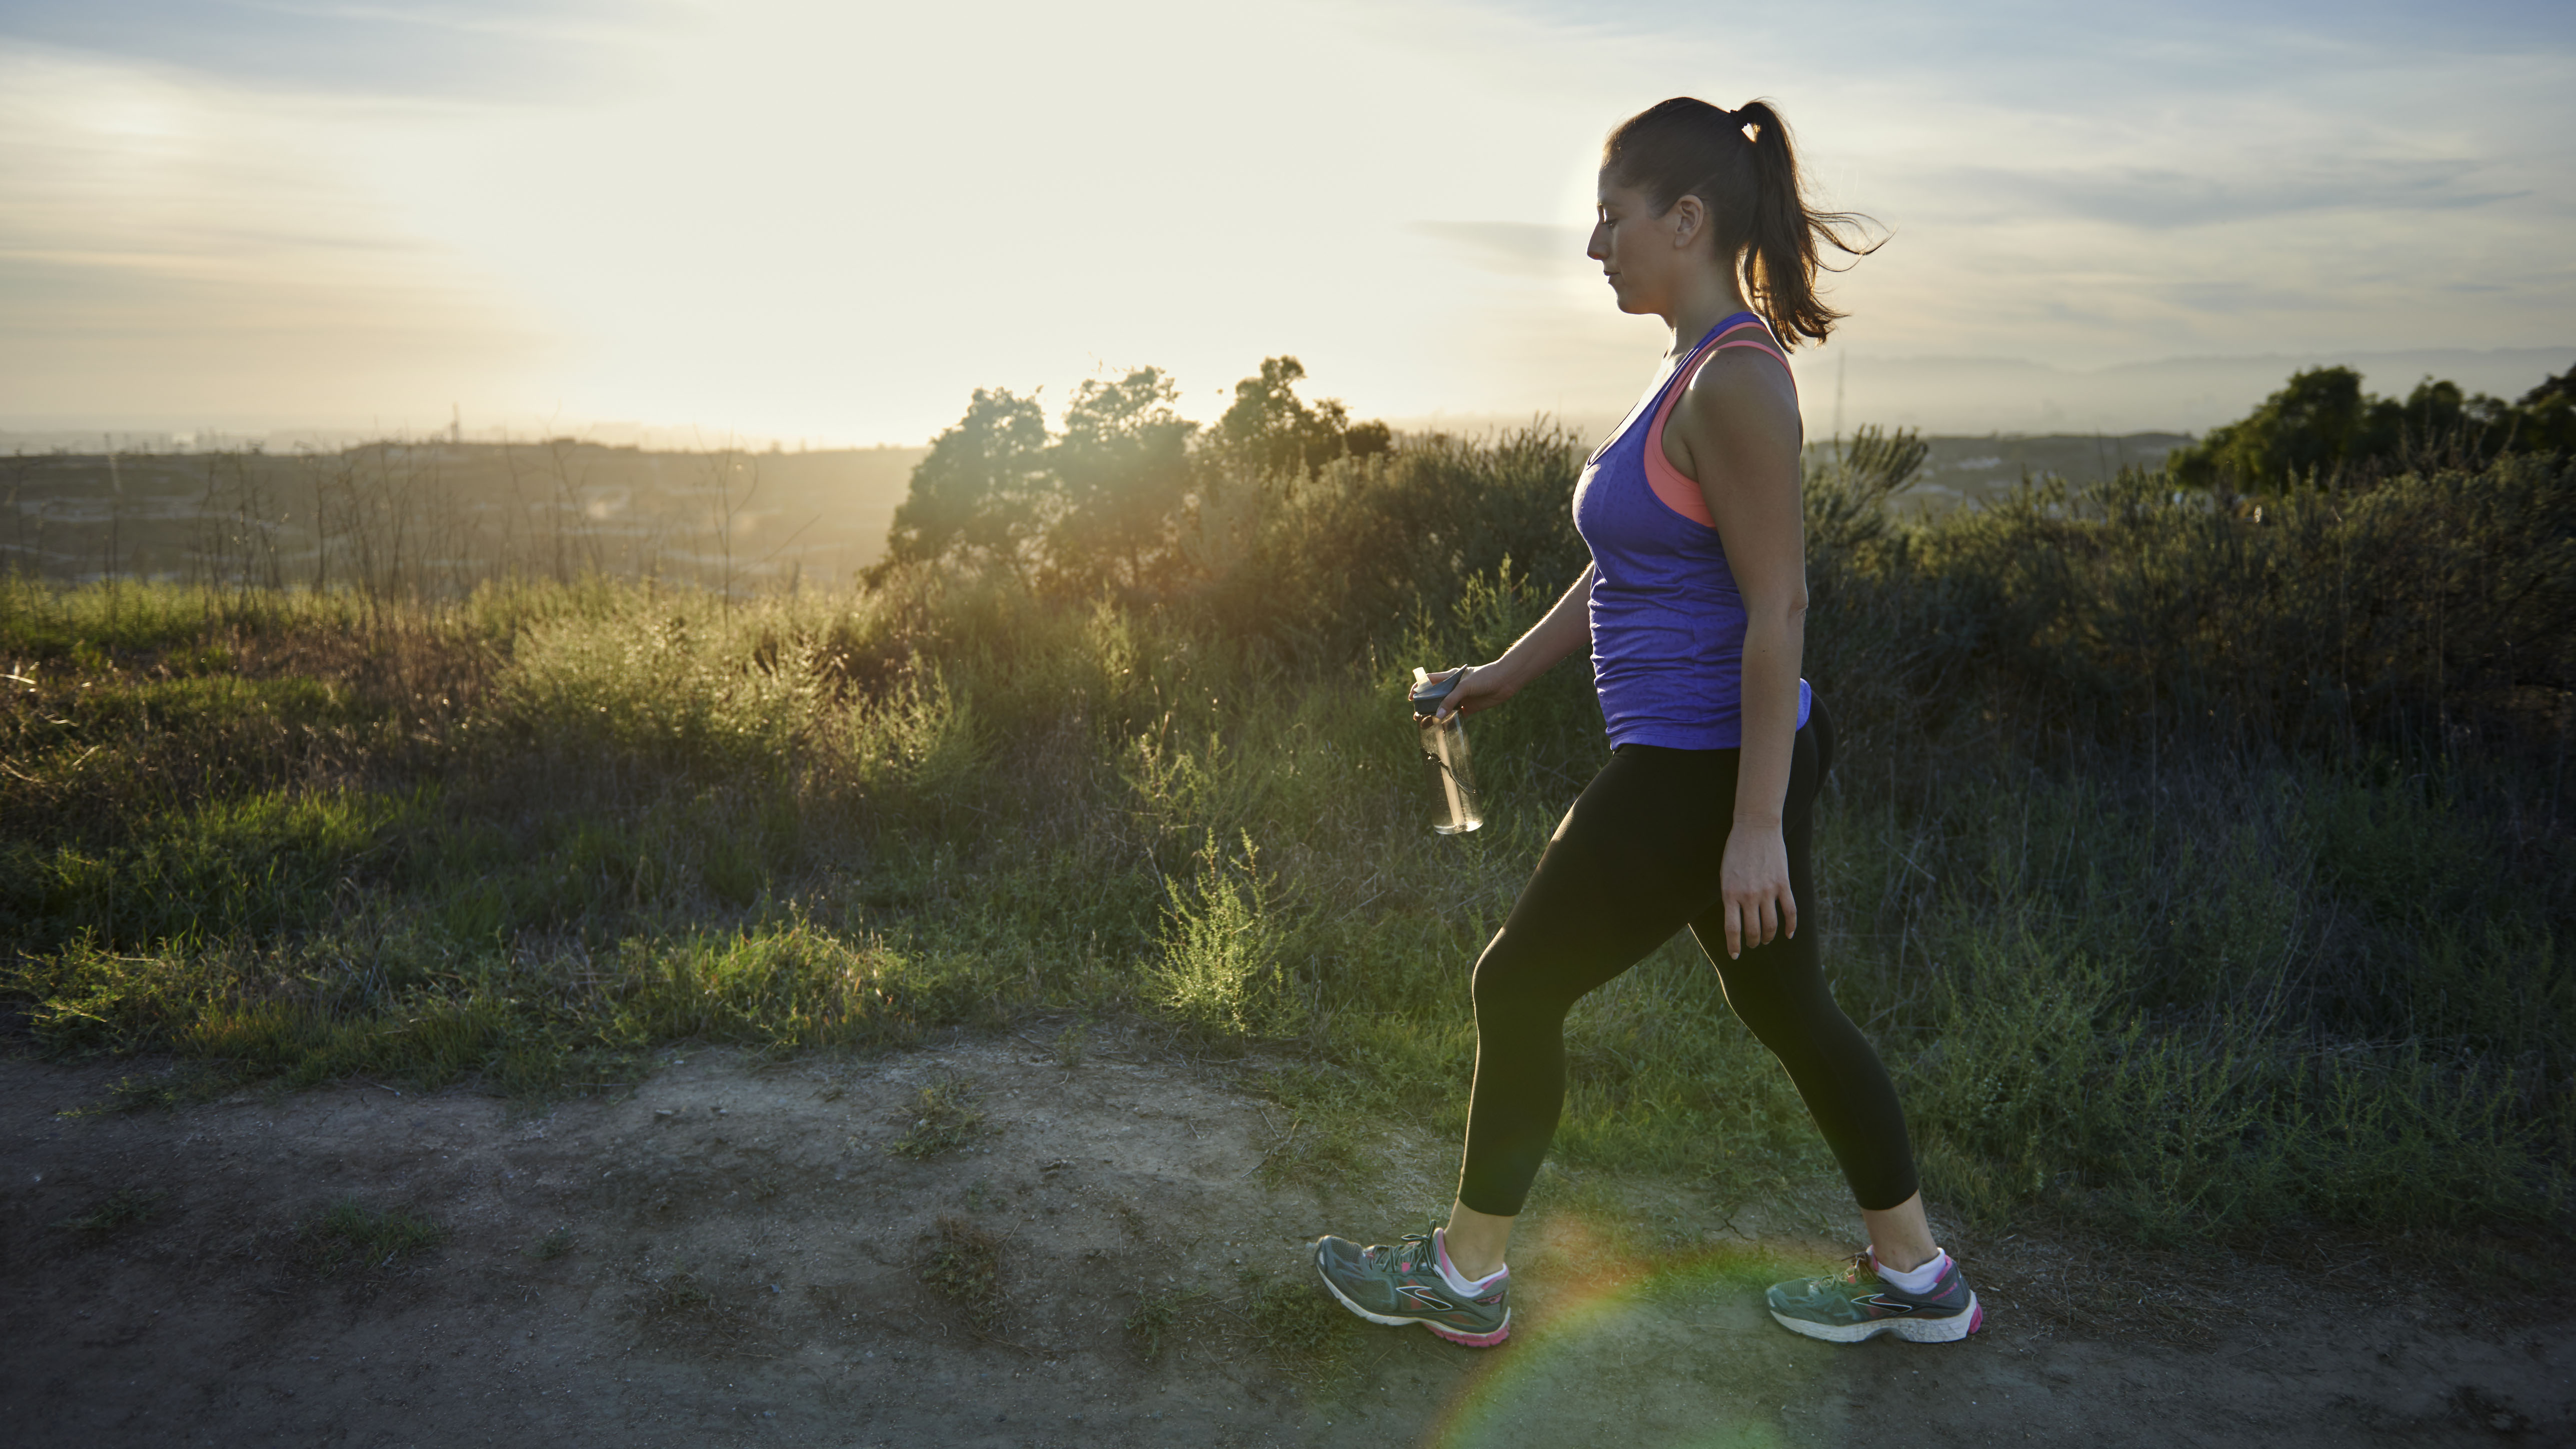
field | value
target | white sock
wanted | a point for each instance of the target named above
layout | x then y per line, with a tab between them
1917	1281
1463	1287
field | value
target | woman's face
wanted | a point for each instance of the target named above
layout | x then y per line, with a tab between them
1643	255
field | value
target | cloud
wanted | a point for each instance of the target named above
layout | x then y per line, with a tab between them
2161	198
2244	32
462	49
817	218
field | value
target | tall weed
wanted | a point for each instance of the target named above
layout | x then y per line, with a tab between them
1220	969
2197	872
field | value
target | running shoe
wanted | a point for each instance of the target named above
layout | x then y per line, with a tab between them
1403	1284
1856	1304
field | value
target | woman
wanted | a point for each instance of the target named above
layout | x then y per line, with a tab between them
1694	608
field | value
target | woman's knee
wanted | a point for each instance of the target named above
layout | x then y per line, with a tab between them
1792	1018
1512	980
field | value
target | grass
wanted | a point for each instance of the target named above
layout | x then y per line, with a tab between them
1154	1319
947	1120
1298	1327
351	1234
1070	1044
2199	876
964	1266
1303	1333
113	1215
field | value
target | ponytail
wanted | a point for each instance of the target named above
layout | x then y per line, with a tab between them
1741	165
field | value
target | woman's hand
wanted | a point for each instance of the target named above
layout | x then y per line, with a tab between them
1480	686
1566	629
1755	875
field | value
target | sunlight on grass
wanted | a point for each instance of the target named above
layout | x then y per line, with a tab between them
2266	945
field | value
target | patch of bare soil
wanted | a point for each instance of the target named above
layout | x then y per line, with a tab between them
977	1245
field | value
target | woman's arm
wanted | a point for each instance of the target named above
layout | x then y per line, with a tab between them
1736	433
1567	628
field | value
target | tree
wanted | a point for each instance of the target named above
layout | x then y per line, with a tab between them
2307	425
2549	413
2322	424
1121	471
981	490
1107	501
1270	429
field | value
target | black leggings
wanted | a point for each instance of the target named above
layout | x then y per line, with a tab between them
1635	860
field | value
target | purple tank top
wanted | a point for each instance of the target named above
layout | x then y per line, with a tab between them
1667	619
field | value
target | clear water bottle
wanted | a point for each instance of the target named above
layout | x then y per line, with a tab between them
1444	746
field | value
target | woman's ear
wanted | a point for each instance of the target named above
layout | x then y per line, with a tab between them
1687	217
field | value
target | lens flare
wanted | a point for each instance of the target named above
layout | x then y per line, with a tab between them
1655	1344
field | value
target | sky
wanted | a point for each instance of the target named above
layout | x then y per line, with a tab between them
831	222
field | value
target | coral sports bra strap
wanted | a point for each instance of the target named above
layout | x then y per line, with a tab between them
1680	494
1667	619
1748	333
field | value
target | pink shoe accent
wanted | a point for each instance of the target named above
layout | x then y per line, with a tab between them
1977	1323
1485	1340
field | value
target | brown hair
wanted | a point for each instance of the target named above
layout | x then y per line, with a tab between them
1740	165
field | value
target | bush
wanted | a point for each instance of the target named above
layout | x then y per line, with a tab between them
1219	969
2322	428
2321	624
2198	871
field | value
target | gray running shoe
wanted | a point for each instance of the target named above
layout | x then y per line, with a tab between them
1403	1284
1856	1304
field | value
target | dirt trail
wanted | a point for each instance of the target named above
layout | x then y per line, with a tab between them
733	1255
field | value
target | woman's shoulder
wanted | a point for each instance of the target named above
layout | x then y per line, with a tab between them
1739	392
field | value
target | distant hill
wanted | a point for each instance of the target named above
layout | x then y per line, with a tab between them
462	511
1971	396
1964	470
454	510
1965	395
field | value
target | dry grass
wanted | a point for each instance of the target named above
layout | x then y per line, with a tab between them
944	1119
114	1215
352	1235
964	1265
2226	961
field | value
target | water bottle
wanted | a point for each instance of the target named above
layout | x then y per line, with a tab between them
1444	746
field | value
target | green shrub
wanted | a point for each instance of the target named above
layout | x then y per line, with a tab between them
2196	872
1220	969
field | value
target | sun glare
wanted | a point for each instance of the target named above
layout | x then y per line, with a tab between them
785	218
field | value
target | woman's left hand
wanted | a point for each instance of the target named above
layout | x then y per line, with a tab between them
1755	875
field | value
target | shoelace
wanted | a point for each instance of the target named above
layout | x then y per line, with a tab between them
1852	1272
1411	1251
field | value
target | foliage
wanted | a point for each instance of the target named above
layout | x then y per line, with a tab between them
2198	871
1113	500
1269	429
2437	601
1219	969
976	494
1122	472
2322	427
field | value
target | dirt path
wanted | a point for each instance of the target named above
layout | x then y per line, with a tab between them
734	1255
